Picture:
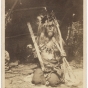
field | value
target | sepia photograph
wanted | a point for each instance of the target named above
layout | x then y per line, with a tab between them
44	44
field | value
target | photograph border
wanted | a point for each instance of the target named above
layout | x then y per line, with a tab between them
3	43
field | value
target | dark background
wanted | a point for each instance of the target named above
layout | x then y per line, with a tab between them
63	9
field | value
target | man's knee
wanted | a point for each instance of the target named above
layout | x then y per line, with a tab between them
38	77
54	79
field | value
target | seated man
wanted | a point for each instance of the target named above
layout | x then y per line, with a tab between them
51	56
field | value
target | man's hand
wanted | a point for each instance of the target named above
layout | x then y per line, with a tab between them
58	70
63	54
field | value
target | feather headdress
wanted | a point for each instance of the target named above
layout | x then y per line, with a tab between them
44	24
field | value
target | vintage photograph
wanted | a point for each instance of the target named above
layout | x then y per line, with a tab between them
44	43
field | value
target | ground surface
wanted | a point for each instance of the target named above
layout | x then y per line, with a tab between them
20	77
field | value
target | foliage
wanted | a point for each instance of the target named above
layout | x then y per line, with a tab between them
75	39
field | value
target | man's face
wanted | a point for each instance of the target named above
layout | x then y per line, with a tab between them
50	30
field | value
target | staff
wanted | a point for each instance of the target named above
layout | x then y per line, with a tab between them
73	78
36	46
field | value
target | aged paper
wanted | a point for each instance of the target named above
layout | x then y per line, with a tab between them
44	43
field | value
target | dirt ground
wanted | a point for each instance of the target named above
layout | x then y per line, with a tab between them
20	77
